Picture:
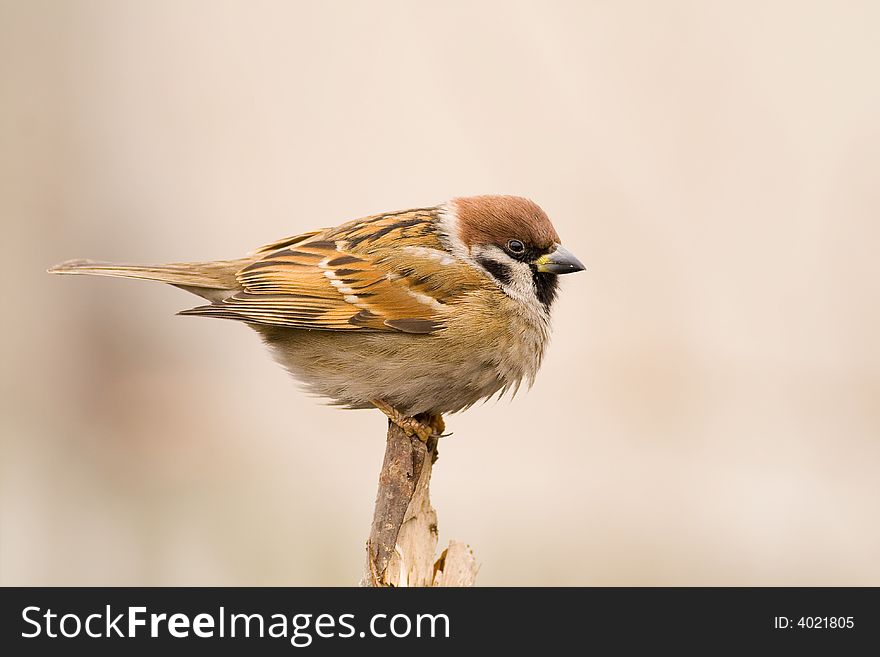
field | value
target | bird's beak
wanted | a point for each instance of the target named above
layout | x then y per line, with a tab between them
561	261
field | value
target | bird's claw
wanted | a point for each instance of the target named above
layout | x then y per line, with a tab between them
425	426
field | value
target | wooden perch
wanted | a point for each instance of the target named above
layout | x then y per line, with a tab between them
403	539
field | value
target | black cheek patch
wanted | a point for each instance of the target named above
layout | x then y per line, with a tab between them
500	271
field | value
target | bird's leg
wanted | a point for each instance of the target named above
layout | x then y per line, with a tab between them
435	421
438	426
425	427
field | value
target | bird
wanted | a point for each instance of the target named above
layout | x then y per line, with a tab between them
418	313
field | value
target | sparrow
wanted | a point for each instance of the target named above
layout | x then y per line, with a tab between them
418	313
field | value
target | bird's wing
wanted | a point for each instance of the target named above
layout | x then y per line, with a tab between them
376	274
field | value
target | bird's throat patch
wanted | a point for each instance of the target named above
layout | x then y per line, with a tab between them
546	287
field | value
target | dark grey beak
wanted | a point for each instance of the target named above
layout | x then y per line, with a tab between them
561	261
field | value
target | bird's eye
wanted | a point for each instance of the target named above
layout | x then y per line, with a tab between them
515	246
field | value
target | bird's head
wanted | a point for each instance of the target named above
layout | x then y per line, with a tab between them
513	241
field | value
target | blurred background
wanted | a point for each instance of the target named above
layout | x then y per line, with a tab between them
709	411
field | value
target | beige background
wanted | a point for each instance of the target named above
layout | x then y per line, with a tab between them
708	412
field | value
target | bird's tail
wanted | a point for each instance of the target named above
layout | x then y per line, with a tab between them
211	280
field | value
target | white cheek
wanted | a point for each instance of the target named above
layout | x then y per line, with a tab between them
521	287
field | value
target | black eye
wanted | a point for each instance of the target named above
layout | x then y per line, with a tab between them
515	246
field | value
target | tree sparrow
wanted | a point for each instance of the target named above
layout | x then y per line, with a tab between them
418	313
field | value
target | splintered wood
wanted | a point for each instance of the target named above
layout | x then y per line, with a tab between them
402	547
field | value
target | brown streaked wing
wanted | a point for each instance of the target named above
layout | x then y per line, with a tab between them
341	280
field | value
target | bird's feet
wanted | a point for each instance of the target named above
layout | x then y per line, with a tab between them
425	425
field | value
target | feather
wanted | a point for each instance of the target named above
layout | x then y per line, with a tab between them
374	274
211	280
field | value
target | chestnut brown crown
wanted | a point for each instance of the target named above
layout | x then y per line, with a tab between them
497	219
